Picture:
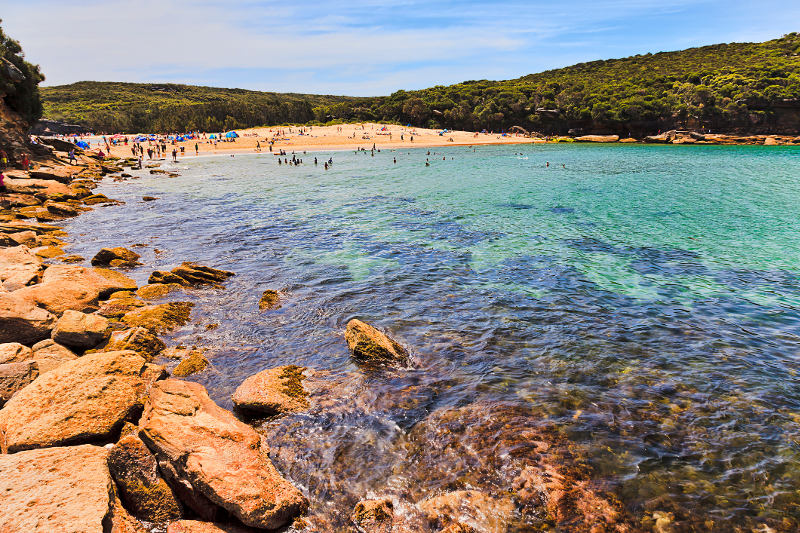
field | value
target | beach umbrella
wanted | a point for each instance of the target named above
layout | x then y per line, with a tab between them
231	135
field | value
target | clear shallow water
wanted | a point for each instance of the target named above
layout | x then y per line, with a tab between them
644	301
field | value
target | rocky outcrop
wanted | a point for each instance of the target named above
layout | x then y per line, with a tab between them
190	274
55	489
86	400
18	267
470	509
15	376
116	257
79	330
212	459
138	339
154	291
372	346
374	516
141	487
75	287
269	300
193	363
272	392
160	318
22	321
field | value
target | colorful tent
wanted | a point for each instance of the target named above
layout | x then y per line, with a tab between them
231	135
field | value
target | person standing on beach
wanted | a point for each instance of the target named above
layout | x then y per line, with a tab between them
196	149
174	155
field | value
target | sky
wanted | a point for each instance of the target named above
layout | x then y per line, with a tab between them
365	47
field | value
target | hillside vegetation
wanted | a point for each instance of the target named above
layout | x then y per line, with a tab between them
745	87
19	80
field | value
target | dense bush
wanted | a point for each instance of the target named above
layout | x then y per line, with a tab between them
19	80
739	86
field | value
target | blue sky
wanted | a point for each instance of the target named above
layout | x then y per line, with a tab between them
365	47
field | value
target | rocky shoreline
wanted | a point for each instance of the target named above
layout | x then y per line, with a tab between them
97	434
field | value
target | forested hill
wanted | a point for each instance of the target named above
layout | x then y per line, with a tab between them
738	87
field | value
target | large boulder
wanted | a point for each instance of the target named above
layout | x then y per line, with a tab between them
159	318
14	352
116	257
598	138
141	487
273	391
22	321
18	267
79	330
213	459
55	489
75	287
476	510
86	400
138	339
15	376
372	346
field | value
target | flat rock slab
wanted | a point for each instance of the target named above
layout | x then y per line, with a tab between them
75	287
85	400
214	458
159	318
22	321
65	490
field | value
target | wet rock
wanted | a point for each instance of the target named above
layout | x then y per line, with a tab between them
137	339
154	291
18	267
269	300
197	274
96	199
15	376
55	489
21	321
372	346
48	252
120	521
166	278
116	257
273	391
374	516
71	259
79	330
75	287
49	355
470	508
149	198
160	318
142	489
198	445
193	363
86	400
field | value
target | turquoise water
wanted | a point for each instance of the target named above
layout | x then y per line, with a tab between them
643	300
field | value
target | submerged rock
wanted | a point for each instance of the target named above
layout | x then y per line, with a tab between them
470	510
269	300
154	291
116	257
55	489
372	346
85	400
141	487
22	321
374	516
273	391
160	318
193	363
79	330
212	459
